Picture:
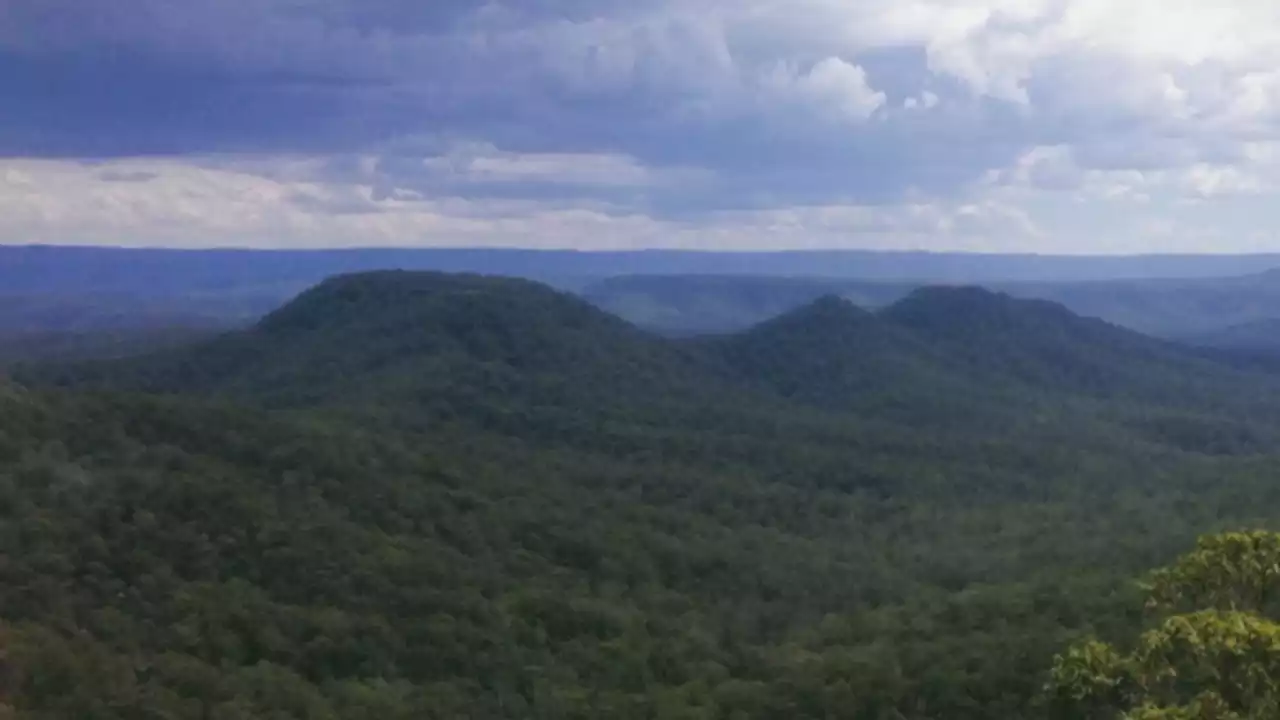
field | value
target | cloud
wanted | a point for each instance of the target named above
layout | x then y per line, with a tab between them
682	115
833	87
217	204
127	176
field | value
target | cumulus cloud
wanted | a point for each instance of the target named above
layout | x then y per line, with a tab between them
727	120
833	87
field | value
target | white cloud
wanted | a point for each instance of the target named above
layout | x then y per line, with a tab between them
1057	168
213	203
1139	84
926	101
833	87
480	163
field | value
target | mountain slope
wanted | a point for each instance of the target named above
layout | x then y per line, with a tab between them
835	355
1171	308
1151	389
828	343
1046	345
434	332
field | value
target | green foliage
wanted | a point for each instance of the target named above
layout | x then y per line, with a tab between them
1221	661
834	355
1237	571
96	344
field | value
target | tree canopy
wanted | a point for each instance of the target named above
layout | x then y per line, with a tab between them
1215	652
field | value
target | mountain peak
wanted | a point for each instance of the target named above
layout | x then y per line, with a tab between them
833	303
371	322
830	310
444	343
941	307
401	296
1040	343
826	323
831	353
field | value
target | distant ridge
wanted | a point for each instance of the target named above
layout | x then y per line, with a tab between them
1165	307
92	289
79	270
1259	335
440	345
1043	344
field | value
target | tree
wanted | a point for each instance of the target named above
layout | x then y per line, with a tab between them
1214	655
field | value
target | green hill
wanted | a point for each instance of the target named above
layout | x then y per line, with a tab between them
829	351
836	356
417	495
334	338
420	347
1046	345
1164	307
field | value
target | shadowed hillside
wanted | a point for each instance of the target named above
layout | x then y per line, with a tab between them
1045	344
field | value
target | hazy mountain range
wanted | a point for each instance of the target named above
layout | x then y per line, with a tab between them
79	290
1183	308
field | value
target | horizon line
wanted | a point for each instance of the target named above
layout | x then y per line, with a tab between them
636	251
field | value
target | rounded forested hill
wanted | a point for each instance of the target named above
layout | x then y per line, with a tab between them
1044	345
430	343
834	355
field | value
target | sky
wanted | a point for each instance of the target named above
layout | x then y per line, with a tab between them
1047	126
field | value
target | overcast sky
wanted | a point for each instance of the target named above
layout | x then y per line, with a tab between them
1066	126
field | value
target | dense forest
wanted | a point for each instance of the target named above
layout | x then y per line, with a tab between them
421	495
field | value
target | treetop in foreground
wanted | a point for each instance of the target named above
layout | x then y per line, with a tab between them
1214	655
